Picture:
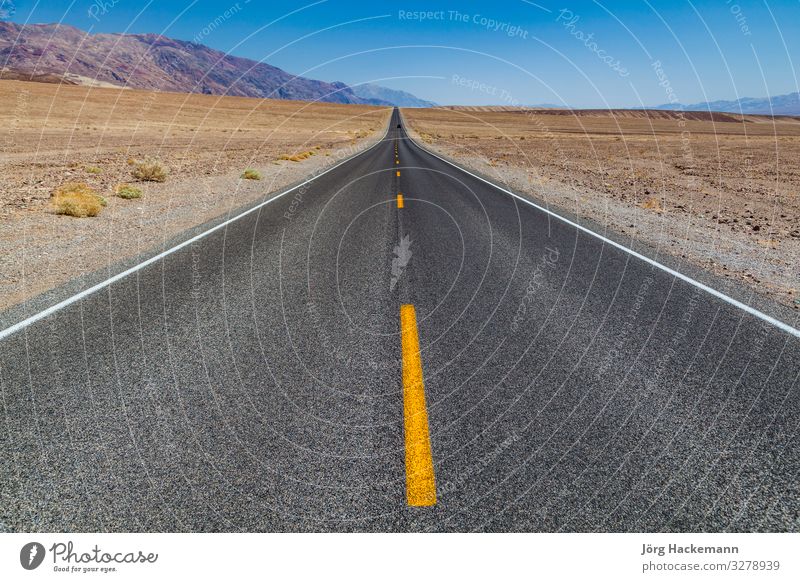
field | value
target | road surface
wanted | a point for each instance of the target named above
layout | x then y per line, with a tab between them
260	379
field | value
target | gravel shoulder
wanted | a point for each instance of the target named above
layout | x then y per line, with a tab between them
54	135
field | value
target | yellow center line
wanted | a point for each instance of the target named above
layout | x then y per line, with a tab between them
399	200
420	480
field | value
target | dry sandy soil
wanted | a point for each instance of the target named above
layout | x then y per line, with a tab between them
51	135
721	191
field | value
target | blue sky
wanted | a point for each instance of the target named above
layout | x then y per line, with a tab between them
580	53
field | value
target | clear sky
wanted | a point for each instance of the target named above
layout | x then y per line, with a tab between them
580	53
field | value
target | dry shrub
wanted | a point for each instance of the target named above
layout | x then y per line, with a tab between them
78	200
296	157
250	174
149	171
70	188
653	203
127	191
93	170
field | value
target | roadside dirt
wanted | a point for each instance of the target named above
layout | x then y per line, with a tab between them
51	135
721	190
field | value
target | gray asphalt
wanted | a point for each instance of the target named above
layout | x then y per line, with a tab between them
252	381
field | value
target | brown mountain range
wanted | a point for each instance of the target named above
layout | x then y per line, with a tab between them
52	52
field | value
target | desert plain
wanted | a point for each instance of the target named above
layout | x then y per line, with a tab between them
52	135
719	190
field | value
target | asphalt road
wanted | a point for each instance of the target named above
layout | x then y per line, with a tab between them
253	380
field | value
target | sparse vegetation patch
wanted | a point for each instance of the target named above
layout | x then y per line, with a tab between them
652	203
251	174
149	171
78	200
127	191
297	157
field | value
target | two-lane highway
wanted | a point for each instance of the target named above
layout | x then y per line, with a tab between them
399	346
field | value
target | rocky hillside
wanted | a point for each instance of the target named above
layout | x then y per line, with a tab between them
152	62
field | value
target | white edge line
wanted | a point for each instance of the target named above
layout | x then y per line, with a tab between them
718	294
95	288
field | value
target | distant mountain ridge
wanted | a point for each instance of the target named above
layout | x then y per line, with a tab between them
778	105
398	98
155	62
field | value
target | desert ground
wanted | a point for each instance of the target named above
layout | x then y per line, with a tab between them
719	190
53	135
